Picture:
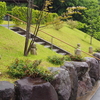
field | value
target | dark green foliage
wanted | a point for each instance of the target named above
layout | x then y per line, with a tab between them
97	35
97	49
3	10
21	68
67	58
60	60
73	58
55	60
81	25
76	58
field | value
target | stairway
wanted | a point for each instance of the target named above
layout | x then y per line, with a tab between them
41	41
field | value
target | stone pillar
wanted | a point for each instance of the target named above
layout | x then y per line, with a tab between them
33	50
78	50
78	46
90	49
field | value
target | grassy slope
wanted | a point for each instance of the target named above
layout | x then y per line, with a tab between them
11	47
71	36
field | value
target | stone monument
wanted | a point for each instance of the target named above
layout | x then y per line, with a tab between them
33	50
78	50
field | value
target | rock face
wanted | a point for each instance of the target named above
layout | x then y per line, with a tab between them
74	79
84	85
97	55
61	83
34	89
94	68
80	79
81	68
84	80
6	91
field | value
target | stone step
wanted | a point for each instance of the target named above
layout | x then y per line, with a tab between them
55	50
62	53
21	32
14	28
40	43
47	46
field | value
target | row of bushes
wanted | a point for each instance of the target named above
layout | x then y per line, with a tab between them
21	13
23	68
60	60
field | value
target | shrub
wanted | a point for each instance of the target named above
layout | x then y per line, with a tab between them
3	10
72	24
58	24
19	12
80	25
97	35
21	68
67	58
76	58
97	49
55	60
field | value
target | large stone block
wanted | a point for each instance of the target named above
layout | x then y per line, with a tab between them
80	79
84	85
74	79
34	89
81	68
6	90
97	55
94	68
61	83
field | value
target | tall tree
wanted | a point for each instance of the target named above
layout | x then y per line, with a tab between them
31	5
92	19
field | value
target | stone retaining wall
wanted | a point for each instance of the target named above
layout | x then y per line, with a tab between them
74	79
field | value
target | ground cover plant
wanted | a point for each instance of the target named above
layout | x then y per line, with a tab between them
27	68
56	60
74	58
97	49
6	22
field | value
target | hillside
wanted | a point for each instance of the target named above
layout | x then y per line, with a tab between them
11	47
68	35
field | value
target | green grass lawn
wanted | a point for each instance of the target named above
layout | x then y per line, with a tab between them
68	35
12	47
6	22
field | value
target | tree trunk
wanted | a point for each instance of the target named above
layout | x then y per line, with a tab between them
29	18
91	39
